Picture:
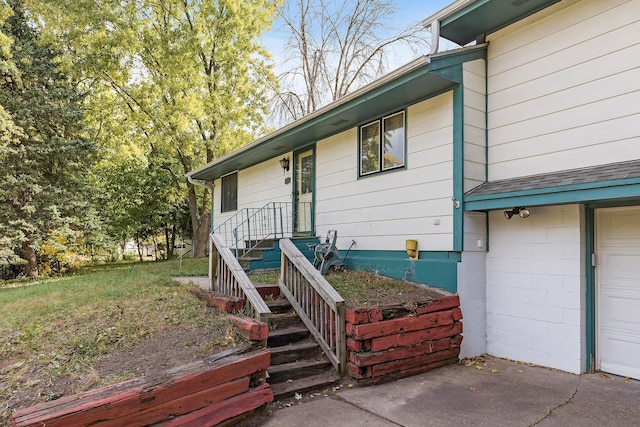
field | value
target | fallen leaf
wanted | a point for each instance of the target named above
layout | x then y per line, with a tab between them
289	381
472	388
520	370
494	370
349	385
298	396
604	375
479	368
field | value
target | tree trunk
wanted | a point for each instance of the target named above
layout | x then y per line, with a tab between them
29	254
200	236
139	248
200	222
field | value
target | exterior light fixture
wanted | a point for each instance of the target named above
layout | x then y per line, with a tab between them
522	212
284	163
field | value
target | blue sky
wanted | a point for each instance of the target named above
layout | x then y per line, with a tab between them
408	11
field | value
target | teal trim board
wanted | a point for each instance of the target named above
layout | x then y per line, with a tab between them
436	269
580	193
458	166
591	289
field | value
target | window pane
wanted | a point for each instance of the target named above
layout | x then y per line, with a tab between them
393	141
307	175
229	191
370	148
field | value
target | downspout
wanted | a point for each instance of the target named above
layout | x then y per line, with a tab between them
435	36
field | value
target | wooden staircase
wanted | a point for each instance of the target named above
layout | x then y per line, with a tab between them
297	362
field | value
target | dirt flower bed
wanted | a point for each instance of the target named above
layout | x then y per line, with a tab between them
361	289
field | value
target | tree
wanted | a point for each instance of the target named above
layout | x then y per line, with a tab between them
335	47
190	76
41	172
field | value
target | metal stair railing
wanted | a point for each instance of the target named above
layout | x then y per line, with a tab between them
319	306
251	226
229	278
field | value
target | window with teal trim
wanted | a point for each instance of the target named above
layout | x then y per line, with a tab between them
229	193
382	144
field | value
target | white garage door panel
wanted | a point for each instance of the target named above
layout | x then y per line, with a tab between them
618	291
619	311
619	357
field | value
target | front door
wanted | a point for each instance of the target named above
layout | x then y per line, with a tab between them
303	200
618	291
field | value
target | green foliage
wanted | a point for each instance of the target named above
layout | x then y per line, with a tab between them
177	83
42	186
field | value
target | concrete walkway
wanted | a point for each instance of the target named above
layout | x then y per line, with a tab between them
493	392
202	281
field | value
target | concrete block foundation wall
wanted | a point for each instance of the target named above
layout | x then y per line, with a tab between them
536	288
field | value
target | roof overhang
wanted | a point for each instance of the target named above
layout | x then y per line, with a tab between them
422	78
606	184
465	21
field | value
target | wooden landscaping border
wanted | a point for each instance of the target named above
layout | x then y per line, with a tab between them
203	393
390	342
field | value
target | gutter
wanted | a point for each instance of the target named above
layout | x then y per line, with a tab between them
202	184
433	22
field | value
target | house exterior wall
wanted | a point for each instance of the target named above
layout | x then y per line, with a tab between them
472	285
564	89
536	303
380	212
257	186
475	121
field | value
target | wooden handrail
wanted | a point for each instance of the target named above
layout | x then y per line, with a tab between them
319	306
229	278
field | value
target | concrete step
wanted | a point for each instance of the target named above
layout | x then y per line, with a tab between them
295	352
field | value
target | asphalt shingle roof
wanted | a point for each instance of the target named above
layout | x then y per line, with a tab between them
613	171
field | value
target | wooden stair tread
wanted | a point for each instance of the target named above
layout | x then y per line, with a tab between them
300	385
309	363
294	352
285	320
285	336
278	305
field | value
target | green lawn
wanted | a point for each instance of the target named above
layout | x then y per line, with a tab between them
59	327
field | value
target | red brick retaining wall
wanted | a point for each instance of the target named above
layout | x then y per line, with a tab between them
390	342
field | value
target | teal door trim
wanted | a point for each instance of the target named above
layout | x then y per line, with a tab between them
591	288
458	167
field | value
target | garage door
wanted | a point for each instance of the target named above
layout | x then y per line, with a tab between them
618	291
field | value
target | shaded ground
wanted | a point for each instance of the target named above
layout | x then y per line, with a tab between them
167	349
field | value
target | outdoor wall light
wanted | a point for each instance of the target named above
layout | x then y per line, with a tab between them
284	163
522	212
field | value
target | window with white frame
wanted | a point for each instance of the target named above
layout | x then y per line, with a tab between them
382	144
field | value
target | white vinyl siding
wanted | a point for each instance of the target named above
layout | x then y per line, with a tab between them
474	123
257	186
564	89
381	212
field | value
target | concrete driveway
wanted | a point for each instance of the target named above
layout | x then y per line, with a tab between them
490	392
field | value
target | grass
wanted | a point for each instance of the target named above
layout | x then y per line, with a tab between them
61	326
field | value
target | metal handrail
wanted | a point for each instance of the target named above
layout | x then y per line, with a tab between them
319	306
229	278
251	226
